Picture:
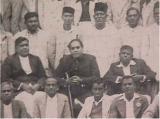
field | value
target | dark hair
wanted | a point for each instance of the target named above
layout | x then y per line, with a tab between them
156	5
19	40
30	14
7	82
126	47
127	77
75	40
99	81
133	8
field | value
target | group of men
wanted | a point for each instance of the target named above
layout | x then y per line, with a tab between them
73	69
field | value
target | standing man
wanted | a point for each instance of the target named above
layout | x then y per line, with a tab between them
9	107
100	38
133	34
80	69
51	104
42	43
129	104
151	55
127	65
66	31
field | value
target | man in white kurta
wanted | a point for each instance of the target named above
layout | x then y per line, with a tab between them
66	32
152	54
50	13
118	9
133	34
100	39
42	43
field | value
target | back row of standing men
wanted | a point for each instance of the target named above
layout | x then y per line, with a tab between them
102	40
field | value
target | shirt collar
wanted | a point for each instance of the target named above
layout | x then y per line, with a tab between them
134	97
96	103
132	62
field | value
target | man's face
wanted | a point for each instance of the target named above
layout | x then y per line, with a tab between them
22	48
76	49
51	87
125	56
97	90
68	18
128	86
156	15
32	24
100	17
133	18
6	92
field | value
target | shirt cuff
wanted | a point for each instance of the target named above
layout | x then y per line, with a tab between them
20	86
118	79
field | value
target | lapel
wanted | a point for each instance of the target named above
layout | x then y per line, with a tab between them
121	105
17	62
15	110
133	69
31	62
137	107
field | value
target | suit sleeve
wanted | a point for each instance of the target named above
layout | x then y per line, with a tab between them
41	71
59	72
24	113
36	111
150	75
113	113
110	76
153	109
6	69
67	111
94	72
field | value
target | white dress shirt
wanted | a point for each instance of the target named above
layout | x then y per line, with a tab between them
25	64
51	107
8	111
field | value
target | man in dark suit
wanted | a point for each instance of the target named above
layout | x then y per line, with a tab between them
9	107
25	69
128	65
80	69
129	104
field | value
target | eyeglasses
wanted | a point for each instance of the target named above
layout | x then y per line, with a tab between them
77	47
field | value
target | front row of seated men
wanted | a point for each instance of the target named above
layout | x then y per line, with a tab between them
79	71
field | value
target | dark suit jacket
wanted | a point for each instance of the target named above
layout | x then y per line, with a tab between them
140	68
85	67
18	109
118	107
11	68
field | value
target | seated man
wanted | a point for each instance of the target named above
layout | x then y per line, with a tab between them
153	109
25	70
96	106
129	104
80	69
50	104
128	65
11	108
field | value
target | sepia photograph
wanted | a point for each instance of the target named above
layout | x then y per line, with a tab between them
79	59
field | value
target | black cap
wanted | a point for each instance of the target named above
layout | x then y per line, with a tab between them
68	9
99	6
